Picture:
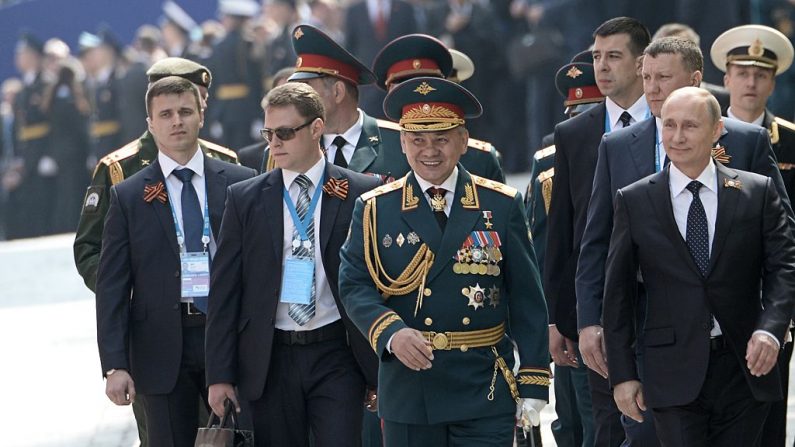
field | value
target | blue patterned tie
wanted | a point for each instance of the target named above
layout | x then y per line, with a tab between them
192	222
697	234
302	313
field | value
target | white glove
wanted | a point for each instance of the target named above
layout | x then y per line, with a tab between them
528	412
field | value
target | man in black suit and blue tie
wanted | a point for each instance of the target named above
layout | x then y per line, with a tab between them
276	328
153	274
704	237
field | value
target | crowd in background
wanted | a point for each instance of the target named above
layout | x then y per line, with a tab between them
69	107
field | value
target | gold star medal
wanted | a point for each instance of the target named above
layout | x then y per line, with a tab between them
475	294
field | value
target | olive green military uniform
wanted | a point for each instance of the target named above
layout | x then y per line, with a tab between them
110	170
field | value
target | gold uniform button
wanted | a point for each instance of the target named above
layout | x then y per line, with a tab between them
465	321
428	322
427	292
464	348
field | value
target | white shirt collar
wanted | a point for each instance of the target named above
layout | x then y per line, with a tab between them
195	164
679	181
639	111
448	184
757	121
351	135
314	173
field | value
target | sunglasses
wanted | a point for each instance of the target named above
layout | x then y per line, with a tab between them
284	133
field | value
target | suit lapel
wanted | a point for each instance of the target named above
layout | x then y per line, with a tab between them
459	224
216	192
367	147
329	209
642	149
727	204
272	206
660	197
153	175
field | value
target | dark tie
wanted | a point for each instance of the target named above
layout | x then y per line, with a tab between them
625	118
438	203
302	313
339	157
697	234
192	222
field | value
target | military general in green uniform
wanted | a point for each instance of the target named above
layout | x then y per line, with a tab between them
439	274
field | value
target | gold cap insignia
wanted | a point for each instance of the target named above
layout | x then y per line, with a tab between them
416	64
298	33
578	93
756	49
574	72
426	108
424	89
298	62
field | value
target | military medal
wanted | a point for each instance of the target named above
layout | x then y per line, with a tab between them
438	202
386	241
412	238
475	294
494	296
487	217
400	239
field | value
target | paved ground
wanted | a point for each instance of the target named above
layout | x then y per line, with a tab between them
50	382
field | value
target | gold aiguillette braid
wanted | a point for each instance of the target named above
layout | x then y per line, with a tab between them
412	277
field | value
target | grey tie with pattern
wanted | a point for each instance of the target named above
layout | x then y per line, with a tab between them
302	313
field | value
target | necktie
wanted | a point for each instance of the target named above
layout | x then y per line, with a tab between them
380	21
438	204
302	313
625	118
339	157
697	233
192	222
192	217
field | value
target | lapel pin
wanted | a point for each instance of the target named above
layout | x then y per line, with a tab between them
386	241
412	238
156	191
729	183
336	188
400	239
719	154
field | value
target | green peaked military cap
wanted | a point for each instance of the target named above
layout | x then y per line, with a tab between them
576	82
583	56
428	104
319	55
184	68
411	56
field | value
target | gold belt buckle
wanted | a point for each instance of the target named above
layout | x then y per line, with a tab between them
441	340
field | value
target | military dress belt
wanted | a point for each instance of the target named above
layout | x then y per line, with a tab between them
227	92
465	339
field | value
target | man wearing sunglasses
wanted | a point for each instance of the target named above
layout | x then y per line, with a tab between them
276	327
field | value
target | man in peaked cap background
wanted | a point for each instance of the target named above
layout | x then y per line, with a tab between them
123	163
574	426
176	26
417	55
459	248
752	56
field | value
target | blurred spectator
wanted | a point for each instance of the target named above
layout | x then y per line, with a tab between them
98	55
176	26
278	47
780	14
10	168
147	45
67	106
211	33
326	16
369	26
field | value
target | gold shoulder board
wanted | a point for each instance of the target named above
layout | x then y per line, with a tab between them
494	186
784	123
480	145
545	152
388	124
548	174
383	189
126	151
218	148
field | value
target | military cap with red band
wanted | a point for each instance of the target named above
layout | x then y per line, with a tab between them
576	83
411	56
428	104
319	55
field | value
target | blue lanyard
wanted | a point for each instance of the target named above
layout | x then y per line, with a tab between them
657	142
302	225
180	235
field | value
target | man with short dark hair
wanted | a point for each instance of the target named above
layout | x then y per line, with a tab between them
153	273
276	327
704	237
618	47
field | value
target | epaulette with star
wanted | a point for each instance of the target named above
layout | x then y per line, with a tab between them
218	148
112	160
388	124
383	189
494	186
545	152
480	145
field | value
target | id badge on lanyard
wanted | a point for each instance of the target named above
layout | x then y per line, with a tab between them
194	266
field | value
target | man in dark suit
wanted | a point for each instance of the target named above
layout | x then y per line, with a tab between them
709	238
628	155
154	269
752	56
618	46
276	328
369	25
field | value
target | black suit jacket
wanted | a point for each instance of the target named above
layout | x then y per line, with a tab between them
576	143
254	156
247	275
626	156
139	322
752	244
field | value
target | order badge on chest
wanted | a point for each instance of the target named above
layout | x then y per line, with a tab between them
480	254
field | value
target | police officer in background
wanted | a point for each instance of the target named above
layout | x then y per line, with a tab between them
752	56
